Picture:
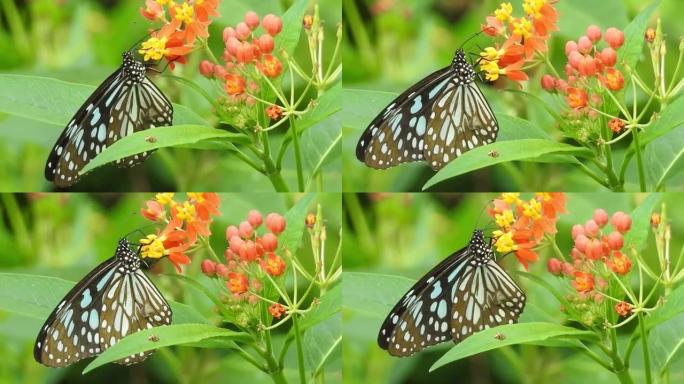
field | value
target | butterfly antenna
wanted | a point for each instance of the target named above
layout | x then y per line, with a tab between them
470	38
139	230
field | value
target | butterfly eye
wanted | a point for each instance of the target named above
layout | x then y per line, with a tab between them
436	120
125	103
464	294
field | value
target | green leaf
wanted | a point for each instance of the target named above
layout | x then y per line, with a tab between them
178	135
329	304
671	118
291	238
168	335
666	342
631	49
321	146
522	333
641	222
288	38
372	294
576	15
664	157
55	101
328	104
322	344
673	306
36	296
527	149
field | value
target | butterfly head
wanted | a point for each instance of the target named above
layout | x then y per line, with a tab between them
461	67
133	68
128	258
479	246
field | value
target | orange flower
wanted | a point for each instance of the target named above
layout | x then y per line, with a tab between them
616	125
623	308
194	225
205	8
237	283
619	263
154	211
276	310
274	112
152	10
273	265
206	204
576	98
235	84
171	242
613	79
584	282
270	66
168	43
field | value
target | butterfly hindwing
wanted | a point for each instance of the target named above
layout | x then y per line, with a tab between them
111	302
436	120
465	293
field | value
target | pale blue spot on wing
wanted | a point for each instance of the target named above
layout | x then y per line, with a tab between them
87	299
94	319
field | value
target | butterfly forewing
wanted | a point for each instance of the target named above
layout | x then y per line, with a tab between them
465	293
125	103
436	120
113	301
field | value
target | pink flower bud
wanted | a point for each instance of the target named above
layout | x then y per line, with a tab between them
594	33
601	217
235	243
246	230
574	59
208	267
232	45
591	228
231	231
554	266
568	269
584	45
242	31
272	24
254	217
266	43
222	271
569	47
621	221
275	223
581	242
615	37
228	32
206	68
548	82
608	56
615	241
577	229
270	242
252	20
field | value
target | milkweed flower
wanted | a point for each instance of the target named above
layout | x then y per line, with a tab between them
524	223
277	310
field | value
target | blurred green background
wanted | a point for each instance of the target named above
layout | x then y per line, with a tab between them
405	235
391	44
81	41
67	235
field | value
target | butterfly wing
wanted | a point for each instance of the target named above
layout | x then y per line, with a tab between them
70	332
485	297
395	136
420	319
130	304
145	106
461	119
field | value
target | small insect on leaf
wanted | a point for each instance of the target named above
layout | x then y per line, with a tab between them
153	338
500	336
151	139
493	153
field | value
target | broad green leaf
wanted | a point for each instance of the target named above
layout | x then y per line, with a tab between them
322	344
288	38
291	238
526	149
320	146
372	294
178	135
641	222
325	106
664	157
36	296
329	304
666	342
576	15
634	36
510	334
672	117
233	12
55	101
673	306
168	335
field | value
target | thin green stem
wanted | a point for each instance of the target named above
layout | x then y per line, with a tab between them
300	350
298	154
640	163
644	346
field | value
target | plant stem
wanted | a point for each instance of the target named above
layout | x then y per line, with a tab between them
298	154
644	346
640	164
300	350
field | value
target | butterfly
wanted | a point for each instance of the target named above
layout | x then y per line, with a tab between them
125	103
464	294
112	301
436	120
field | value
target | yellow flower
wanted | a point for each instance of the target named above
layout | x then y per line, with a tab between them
491	54
186	212
522	27
504	219
164	198
164	2
195	196
503	13
544	196
153	247
184	13
504	242
533	8
154	48
532	209
511	197
491	69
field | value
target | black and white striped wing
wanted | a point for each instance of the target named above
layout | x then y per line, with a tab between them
397	134
464	294
436	120
112	301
